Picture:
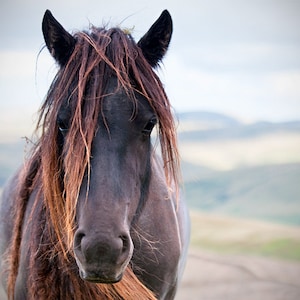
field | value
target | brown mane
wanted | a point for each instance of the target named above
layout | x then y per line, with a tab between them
98	55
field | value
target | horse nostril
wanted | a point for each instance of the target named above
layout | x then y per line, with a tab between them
126	248
77	240
125	243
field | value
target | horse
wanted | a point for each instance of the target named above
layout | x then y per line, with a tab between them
96	210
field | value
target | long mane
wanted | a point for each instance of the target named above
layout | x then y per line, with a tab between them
55	172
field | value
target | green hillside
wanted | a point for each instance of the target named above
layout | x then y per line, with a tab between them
266	192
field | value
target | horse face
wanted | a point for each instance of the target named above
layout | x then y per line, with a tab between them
115	185
115	188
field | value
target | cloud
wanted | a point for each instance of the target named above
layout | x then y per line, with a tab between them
24	80
270	95
14	63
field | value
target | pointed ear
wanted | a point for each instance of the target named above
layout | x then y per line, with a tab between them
155	42
59	42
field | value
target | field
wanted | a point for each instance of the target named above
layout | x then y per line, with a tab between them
226	235
232	258
233	277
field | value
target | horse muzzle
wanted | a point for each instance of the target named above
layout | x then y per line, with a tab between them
102	258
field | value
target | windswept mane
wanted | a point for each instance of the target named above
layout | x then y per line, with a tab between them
55	170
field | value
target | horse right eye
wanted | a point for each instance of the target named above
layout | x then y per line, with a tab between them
62	126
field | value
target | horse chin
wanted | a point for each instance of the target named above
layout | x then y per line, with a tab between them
100	277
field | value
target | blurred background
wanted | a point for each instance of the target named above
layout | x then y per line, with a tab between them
232	74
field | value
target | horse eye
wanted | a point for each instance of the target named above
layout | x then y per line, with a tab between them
149	126
62	126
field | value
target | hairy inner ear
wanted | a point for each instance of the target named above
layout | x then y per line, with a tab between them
59	42
155	42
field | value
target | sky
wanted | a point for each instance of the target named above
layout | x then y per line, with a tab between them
236	57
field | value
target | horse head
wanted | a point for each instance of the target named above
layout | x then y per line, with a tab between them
105	101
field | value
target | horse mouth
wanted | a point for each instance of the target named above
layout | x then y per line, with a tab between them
100	277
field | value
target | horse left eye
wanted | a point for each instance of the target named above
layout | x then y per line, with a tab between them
149	126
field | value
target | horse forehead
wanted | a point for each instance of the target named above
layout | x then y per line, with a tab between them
117	102
127	106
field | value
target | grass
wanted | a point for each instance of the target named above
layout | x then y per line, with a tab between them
287	249
238	236
282	248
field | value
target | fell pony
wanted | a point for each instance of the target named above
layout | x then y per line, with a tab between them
94	213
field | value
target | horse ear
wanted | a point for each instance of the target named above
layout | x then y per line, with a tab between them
155	42
59	42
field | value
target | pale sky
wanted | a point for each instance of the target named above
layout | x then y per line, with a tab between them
237	57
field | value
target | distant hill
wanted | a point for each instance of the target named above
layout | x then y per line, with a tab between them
208	126
266	192
208	117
